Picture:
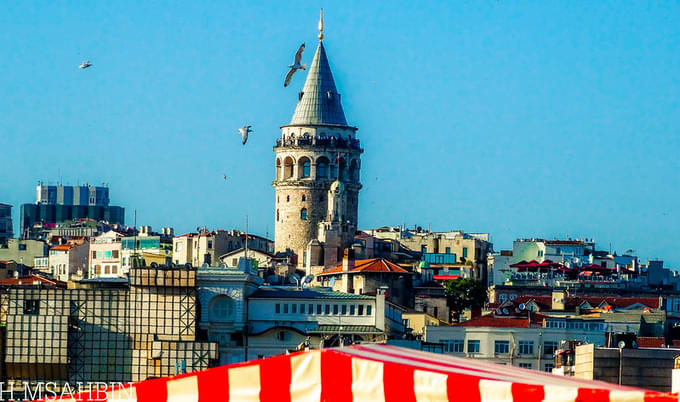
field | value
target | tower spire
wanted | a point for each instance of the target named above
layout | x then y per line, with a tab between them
321	25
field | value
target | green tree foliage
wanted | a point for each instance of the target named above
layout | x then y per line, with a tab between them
463	293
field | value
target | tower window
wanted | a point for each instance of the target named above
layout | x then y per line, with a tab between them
277	215
322	167
303	214
304	165
304	197
287	198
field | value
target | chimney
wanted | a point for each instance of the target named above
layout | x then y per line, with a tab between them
348	260
558	300
347	265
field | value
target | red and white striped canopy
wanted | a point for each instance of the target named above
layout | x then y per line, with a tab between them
375	373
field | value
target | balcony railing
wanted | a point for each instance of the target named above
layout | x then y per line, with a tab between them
331	142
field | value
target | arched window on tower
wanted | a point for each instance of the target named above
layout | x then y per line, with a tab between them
304	165
277	215
288	167
287	198
322	167
278	169
304	198
303	214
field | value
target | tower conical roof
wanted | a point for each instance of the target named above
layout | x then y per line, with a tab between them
319	101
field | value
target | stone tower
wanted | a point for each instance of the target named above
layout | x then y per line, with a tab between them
316	149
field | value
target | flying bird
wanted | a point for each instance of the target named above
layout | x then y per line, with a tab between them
85	64
225	176
244	133
296	65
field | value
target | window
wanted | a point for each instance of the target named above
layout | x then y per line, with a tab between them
293	308
525	365
285	309
335	309
526	347
222	308
361	310
302	308
305	168
209	243
368	310
455	345
448	250
548	367
178	246
501	347
473	346
423	249
328	308
32	307
465	252
318	309
344	309
352	309
114	253
303	214
22	247
94	254
98	269
549	347
287	198
310	309
540	253
304	198
282	336
321	168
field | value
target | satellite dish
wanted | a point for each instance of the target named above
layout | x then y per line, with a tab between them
499	311
154	265
294	278
505	311
555	300
308	279
621	344
517	310
205	265
223	265
188	265
634	345
522	306
332	282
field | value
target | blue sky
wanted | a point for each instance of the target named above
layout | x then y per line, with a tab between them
522	119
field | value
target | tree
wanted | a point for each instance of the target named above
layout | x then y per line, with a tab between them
463	293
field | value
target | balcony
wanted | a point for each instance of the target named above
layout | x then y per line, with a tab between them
332	142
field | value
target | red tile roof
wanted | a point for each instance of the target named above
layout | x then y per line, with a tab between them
370	265
30	280
650	342
493	321
63	247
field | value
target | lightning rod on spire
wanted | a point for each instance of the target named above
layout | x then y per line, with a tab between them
321	25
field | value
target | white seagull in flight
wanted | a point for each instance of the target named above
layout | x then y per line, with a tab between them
295	66
85	64
244	133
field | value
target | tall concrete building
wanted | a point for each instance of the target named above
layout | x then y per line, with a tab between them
58	204
5	223
318	159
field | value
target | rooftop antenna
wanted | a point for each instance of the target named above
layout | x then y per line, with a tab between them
247	241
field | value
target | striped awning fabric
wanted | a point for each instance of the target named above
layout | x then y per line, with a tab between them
374	373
